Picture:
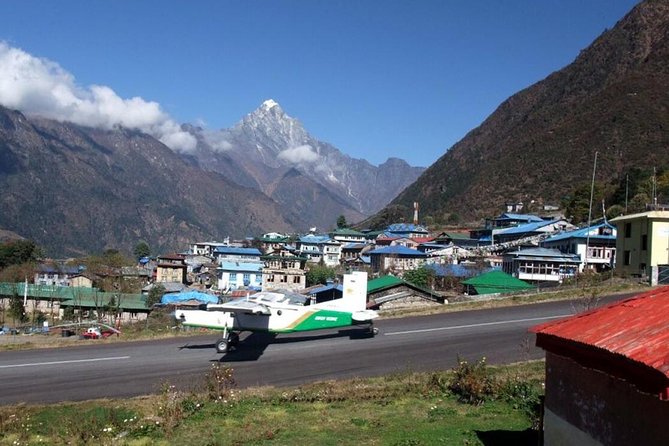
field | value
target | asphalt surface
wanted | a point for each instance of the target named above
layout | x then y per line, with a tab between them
422	343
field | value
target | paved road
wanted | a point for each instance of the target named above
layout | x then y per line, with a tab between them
135	368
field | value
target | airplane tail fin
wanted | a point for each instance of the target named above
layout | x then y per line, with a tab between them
355	291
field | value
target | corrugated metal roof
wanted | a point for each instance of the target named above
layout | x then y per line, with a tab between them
241	266
637	328
494	282
397	250
521	217
383	282
583	233
237	251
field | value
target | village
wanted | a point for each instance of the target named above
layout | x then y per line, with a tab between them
408	267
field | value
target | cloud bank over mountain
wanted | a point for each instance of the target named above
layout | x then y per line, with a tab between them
39	86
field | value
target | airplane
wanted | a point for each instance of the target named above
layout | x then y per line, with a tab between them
284	312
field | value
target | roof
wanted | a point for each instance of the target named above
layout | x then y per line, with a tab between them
496	282
635	329
381	283
241	266
520	217
583	233
237	251
347	231
100	299
316	239
454	270
527	227
59	269
324	288
405	227
544	253
397	250
655	215
188	296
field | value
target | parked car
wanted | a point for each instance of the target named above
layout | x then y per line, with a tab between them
96	333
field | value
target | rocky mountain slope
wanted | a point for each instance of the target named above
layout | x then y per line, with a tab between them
270	150
77	190
540	144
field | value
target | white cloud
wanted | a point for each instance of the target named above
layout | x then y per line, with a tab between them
217	141
299	155
42	87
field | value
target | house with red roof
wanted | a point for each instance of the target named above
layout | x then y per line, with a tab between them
607	374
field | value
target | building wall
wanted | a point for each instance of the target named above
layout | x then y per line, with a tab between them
631	257
584	406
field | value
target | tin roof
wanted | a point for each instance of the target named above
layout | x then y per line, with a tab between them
494	282
397	250
636	328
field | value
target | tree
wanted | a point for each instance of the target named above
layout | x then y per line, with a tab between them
18	252
16	310
155	294
141	250
341	222
319	274
421	276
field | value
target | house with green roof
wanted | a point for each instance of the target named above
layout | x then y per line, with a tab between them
390	293
494	282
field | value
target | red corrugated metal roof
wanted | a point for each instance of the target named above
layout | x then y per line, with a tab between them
637	328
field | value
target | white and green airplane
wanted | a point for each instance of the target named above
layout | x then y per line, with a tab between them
284	312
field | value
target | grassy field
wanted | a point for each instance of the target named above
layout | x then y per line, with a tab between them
473	404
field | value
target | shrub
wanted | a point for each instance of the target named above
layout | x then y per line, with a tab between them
523	396
472	383
219	383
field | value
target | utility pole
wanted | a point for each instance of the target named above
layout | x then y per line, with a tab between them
592	191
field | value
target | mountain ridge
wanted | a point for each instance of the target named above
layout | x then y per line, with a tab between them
539	144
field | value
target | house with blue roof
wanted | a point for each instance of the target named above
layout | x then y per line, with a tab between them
395	259
407	230
537	229
235	275
235	254
506	220
540	265
319	247
596	245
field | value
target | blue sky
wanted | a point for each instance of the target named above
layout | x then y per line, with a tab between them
374	78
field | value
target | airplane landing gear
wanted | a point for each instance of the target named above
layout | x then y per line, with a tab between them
229	339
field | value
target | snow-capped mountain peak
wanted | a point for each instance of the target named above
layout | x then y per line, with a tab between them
269	104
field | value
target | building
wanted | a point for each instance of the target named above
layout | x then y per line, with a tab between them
319	247
346	235
171	268
207	248
55	274
540	264
607	374
236	254
395	259
406	230
642	245
393	293
284	270
596	245
537	230
234	275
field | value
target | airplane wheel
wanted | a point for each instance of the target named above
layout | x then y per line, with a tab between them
234	339
222	345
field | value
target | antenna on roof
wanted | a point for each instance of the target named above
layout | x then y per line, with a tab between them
415	212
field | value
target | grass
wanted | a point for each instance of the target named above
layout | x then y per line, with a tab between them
400	409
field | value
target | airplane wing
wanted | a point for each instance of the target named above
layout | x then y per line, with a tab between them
241	306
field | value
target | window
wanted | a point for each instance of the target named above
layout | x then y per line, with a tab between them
628	230
644	242
297	279
627	257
